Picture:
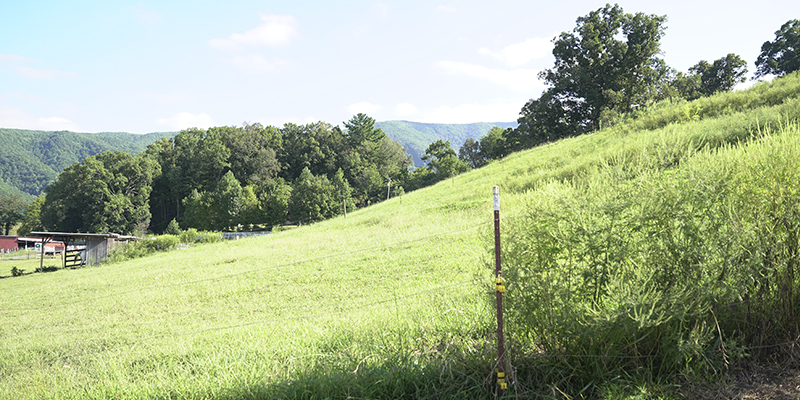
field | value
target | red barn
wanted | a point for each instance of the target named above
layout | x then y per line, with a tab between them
8	244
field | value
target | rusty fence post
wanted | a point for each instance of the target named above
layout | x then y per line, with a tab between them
499	289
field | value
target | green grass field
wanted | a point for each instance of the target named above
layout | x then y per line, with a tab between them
394	301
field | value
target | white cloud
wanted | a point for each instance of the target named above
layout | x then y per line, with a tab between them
519	54
405	110
185	120
469	113
363	107
522	80
275	31
445	9
48	74
13	117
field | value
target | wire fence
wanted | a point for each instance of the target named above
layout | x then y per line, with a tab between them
307	313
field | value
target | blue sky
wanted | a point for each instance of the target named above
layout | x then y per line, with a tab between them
147	66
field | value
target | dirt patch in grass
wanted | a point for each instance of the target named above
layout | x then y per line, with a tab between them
774	382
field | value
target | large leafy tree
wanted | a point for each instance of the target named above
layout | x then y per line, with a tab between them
12	210
105	193
313	198
442	161
610	61
781	55
706	79
32	220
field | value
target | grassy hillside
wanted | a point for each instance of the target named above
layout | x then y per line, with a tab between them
416	136
624	252
30	160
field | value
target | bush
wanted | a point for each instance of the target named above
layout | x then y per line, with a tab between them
16	271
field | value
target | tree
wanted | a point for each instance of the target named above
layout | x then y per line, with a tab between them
721	75
782	55
273	202
12	210
199	211
493	144
313	198
361	128
470	153
108	192
227	202
342	193
608	62
441	159
32	220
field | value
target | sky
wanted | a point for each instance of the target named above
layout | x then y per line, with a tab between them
157	66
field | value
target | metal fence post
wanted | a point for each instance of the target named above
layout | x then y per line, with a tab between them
499	289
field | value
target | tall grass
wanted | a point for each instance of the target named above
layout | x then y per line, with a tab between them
679	268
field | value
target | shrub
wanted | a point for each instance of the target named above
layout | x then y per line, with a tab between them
16	271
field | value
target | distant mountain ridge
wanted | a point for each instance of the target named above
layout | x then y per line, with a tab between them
30	160
416	136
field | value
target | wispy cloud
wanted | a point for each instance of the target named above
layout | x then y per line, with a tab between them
274	31
14	117
47	74
184	120
522	80
519	54
13	58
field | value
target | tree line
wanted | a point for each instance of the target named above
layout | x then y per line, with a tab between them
226	178
609	65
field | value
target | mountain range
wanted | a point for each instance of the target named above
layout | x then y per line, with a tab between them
30	160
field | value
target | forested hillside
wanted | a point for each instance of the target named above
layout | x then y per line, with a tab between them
416	136
31	160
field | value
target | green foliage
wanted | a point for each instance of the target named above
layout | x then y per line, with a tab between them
645	259
706	79
470	153
782	55
609	62
313	198
273	202
108	192
442	160
31	220
173	228
12	211
16	271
